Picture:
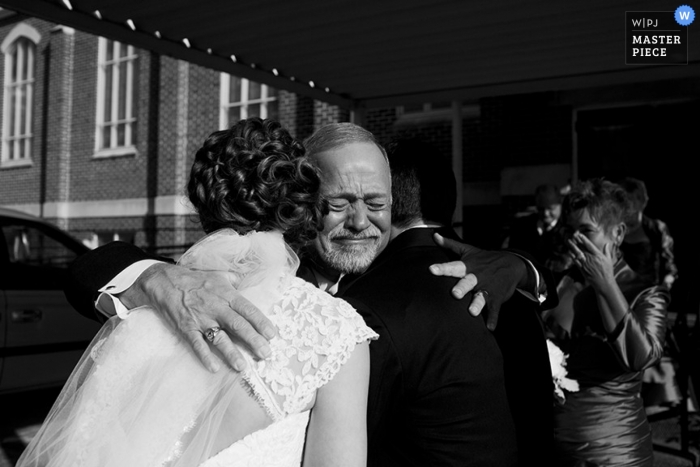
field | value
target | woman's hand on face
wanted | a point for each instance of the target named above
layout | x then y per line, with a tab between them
596	265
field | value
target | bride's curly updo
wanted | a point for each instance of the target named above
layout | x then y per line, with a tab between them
254	176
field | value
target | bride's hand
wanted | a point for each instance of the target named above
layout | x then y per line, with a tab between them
194	301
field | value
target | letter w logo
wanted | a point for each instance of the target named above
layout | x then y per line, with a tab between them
685	15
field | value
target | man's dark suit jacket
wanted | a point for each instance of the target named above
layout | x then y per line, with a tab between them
519	335
437	393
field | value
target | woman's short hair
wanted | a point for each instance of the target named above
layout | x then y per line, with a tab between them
607	203
254	176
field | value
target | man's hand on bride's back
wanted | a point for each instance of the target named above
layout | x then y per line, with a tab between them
194	301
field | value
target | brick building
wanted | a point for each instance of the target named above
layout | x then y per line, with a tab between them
99	137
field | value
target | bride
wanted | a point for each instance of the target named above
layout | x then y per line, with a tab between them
140	397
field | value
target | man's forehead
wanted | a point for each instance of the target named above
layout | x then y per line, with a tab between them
354	164
359	150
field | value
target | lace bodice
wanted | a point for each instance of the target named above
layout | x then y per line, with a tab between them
317	333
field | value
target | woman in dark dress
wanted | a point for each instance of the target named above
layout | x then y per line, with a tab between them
611	323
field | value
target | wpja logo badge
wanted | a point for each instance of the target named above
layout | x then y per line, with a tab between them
684	15
658	37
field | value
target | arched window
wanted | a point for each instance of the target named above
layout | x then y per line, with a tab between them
19	48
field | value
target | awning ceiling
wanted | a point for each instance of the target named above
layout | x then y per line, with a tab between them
383	52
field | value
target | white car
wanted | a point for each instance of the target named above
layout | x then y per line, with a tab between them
41	336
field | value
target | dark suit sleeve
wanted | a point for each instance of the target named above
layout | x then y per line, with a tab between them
552	298
96	268
528	378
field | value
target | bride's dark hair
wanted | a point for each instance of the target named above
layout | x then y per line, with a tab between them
254	176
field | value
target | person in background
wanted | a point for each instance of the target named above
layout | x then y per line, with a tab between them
534	233
648	245
648	249
611	322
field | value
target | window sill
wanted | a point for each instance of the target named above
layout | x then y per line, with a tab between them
115	152
16	163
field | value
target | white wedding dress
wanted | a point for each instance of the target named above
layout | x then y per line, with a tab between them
140	397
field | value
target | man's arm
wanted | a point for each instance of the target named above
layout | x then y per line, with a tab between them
498	273
93	270
191	301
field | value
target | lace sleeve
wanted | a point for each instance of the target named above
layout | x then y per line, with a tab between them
317	334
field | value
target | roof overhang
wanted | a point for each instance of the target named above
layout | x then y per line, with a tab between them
361	53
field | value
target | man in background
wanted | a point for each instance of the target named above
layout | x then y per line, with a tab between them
534	233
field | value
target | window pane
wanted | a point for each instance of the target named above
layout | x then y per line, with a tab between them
123	50
13	106
234	115
106	137
13	76
235	89
272	112
254	90
109	45
22	110
108	94
254	110
120	134
271	92
122	91
25	68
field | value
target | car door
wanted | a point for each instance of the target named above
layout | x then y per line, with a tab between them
43	336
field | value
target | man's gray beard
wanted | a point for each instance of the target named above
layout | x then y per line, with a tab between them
350	259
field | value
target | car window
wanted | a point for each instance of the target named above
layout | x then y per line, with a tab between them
31	246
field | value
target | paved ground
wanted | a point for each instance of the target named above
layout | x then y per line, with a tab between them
21	415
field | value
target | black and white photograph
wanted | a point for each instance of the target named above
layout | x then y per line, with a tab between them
349	233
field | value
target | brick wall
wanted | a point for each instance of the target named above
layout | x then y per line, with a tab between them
325	113
296	114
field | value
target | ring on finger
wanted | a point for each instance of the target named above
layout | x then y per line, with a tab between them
483	293
211	333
